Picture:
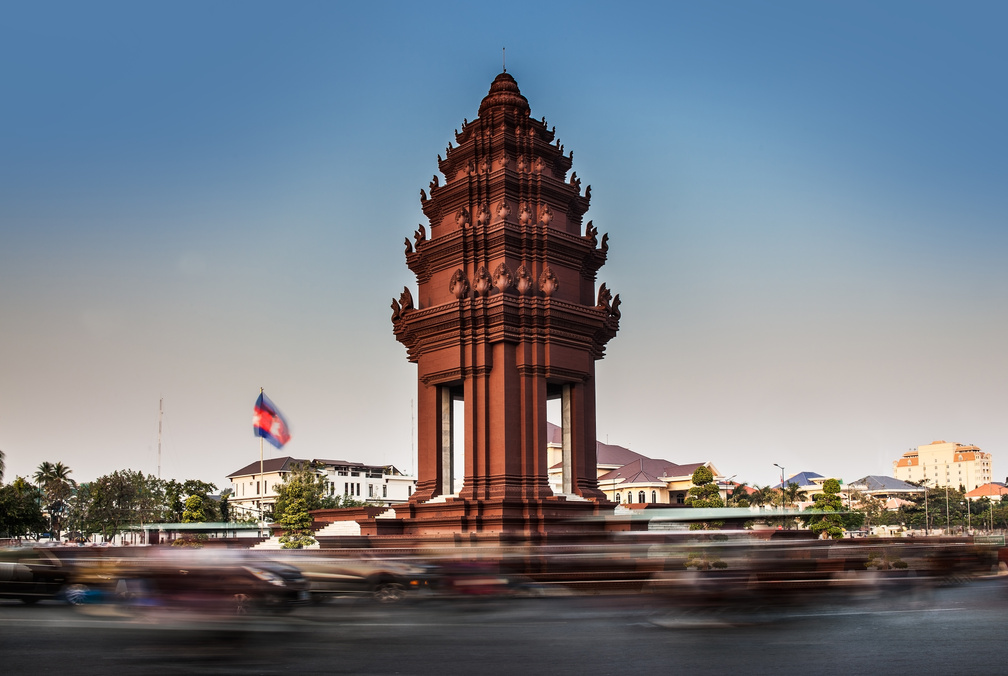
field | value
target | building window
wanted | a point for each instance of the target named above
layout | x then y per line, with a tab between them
257	488
629	497
680	498
384	491
370	490
617	498
640	498
654	496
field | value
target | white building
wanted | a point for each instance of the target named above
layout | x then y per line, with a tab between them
253	487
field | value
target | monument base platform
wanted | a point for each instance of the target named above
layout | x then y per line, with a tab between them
461	516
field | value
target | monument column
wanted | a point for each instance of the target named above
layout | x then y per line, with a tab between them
506	313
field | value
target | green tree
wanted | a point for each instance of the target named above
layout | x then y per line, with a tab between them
225	508
704	493
174	504
3	466
338	501
176	494
870	507
194	510
301	483
297	524
830	523
20	511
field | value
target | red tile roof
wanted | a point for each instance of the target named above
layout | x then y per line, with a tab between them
630	466
988	490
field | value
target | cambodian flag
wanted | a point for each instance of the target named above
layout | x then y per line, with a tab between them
268	423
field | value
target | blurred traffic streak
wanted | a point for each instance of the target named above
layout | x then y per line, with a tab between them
210	582
714	570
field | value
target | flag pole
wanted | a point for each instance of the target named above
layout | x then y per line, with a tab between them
261	474
260	446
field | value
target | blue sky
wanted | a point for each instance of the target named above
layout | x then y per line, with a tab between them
805	202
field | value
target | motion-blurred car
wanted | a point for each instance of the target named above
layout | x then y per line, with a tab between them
384	580
210	582
30	575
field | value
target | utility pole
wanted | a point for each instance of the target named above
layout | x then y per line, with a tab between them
948	519
927	520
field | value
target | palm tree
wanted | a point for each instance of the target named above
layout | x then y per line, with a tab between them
740	494
43	473
3	466
56	485
763	495
793	493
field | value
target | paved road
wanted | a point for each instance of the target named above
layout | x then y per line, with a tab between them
951	631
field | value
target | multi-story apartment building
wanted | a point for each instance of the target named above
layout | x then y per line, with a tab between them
253	487
945	463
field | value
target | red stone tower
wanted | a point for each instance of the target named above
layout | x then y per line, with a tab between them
506	316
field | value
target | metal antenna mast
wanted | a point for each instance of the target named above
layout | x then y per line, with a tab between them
159	417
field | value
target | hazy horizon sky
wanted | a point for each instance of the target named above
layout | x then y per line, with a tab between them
806	203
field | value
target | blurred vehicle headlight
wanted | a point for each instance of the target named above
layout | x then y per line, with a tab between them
266	576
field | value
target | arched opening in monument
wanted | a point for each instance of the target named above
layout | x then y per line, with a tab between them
452	439
458	441
558	412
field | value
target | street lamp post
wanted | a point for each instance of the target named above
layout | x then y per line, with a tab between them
781	484
781	467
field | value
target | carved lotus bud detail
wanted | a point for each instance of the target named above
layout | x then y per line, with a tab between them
482	281
538	166
502	278
504	160
524	281
522	165
548	283
524	214
483	217
484	166
459	285
462	218
503	210
545	215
